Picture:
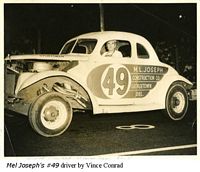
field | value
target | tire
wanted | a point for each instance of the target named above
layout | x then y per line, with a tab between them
176	102
50	115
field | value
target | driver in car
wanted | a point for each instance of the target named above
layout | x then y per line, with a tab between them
111	49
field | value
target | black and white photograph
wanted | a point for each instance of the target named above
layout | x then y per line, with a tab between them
100	79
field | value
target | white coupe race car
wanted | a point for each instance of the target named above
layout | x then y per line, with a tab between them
48	88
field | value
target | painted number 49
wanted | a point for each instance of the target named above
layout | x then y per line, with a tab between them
115	81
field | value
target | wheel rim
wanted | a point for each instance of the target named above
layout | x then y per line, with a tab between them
54	114
178	102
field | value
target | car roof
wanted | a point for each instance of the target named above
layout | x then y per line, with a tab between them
104	36
110	35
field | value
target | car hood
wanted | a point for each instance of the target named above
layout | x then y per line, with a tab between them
52	57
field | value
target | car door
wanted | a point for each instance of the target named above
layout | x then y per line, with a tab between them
110	78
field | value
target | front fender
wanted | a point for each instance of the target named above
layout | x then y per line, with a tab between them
27	79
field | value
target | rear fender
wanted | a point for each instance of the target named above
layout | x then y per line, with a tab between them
169	81
181	80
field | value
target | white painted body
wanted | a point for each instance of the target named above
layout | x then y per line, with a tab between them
118	99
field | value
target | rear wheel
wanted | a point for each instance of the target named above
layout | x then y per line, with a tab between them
176	102
50	115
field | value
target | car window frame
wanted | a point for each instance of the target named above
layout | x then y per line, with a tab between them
144	48
103	47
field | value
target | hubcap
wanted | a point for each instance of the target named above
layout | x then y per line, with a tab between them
54	114
178	102
51	113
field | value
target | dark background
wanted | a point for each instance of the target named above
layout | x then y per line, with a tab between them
44	28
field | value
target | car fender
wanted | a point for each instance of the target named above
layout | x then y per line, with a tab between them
165	85
27	79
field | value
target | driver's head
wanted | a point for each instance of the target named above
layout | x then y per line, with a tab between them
111	45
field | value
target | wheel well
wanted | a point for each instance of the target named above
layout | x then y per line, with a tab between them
74	92
70	89
184	84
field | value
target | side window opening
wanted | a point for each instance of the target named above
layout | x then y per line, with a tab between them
125	50
142	52
123	46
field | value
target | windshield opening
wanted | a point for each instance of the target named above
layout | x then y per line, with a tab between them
81	46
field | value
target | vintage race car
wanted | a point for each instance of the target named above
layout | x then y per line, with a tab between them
48	88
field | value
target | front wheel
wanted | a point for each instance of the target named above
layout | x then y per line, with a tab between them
50	115
176	102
